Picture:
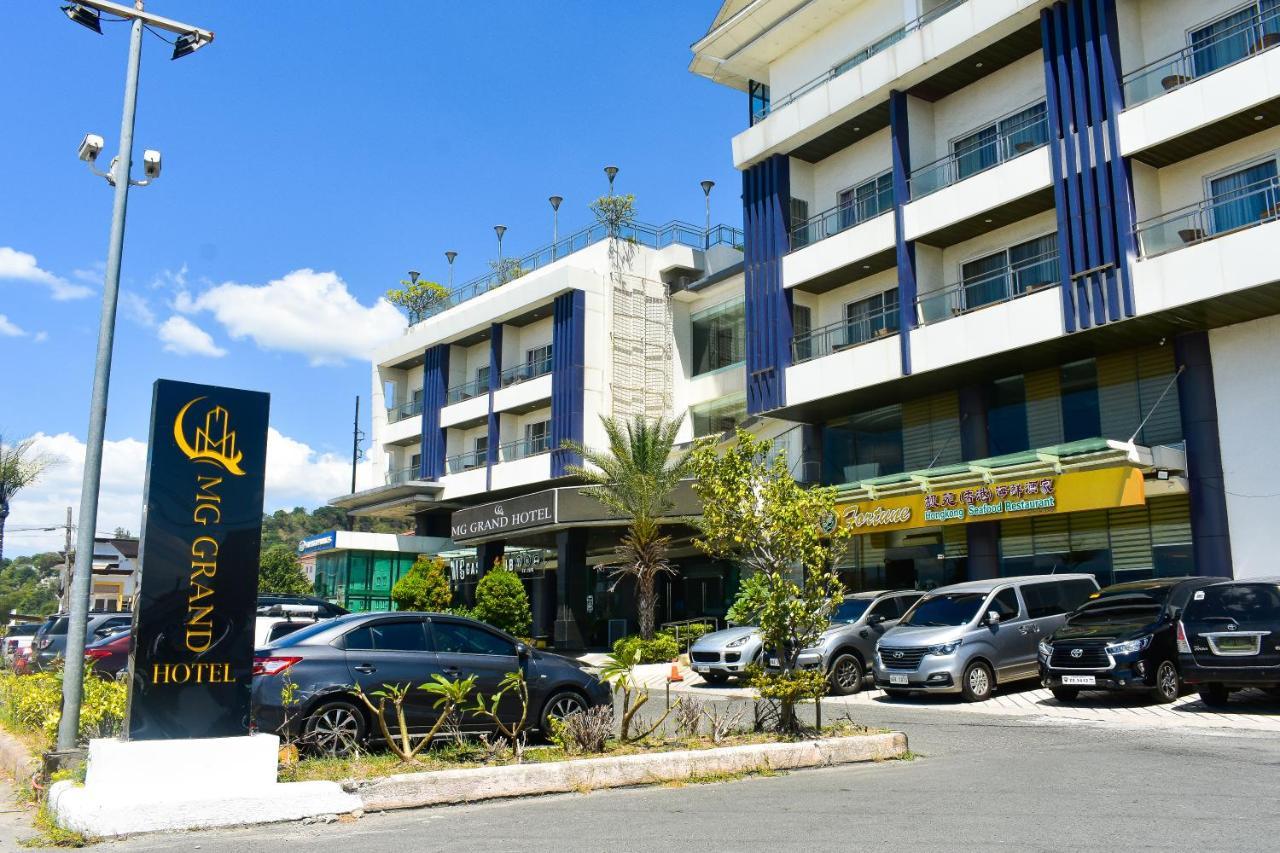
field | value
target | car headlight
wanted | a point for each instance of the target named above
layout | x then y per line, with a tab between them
945	648
741	641
1129	647
1046	650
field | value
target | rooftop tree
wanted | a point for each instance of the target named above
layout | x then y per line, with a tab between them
20	466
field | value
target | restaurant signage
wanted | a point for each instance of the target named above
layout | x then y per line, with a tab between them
481	522
525	562
1005	499
191	667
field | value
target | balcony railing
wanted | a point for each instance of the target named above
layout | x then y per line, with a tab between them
1010	282
1013	136
1222	214
1259	33
403	475
404	410
840	218
467	390
525	371
466	461
844	334
524	448
654	236
878	46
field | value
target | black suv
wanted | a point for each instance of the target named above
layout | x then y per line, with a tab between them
1229	638
1122	638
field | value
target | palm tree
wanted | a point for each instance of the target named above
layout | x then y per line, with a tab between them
19	468
634	478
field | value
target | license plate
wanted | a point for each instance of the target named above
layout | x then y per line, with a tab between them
773	662
1081	680
701	668
897	679
1236	645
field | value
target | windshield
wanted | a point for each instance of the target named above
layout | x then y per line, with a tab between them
1123	605
304	634
948	609
1253	602
850	610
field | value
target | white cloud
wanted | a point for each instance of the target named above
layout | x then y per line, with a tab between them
137	309
180	335
9	329
297	475
21	266
40	337
306	312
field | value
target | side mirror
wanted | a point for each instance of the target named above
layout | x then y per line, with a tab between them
993	618
522	651
876	619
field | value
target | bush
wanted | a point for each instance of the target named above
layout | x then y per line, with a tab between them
661	648
502	602
33	704
684	635
425	587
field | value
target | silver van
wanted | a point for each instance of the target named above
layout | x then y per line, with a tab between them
969	637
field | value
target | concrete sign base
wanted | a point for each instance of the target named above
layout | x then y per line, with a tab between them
163	785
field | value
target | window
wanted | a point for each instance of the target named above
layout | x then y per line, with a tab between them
719	416
862	446
799	210
757	100
719	336
482	377
1079	391
415	462
1007	417
999	141
536	436
460	639
1005	603
801	328
1244	197
886	608
1044	599
480	450
1235	36
866	200
1010	272
870	318
1243	602
405	635
538	359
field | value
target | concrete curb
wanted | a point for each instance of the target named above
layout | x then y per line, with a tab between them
16	759
442	787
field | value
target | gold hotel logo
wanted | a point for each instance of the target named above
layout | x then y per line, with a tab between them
213	442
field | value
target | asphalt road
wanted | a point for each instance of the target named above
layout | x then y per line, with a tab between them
1023	784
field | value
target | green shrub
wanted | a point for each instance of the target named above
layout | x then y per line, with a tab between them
425	587
33	704
661	648
687	633
502	602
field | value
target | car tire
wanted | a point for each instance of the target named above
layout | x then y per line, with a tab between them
978	682
846	675
560	705
336	727
1215	695
1168	685
714	677
1065	694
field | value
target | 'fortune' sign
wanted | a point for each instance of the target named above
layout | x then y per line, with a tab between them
191	668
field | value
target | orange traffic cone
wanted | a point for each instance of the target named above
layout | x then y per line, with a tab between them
675	672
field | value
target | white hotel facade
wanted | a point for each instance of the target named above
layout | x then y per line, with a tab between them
985	244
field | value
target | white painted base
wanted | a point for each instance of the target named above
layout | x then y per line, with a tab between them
154	786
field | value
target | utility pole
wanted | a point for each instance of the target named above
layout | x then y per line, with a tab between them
356	436
65	586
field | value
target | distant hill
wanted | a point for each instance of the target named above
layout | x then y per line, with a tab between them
287	527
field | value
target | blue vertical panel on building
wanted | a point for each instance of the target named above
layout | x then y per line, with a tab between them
435	389
900	137
1210	534
568	353
495	382
766	216
1092	185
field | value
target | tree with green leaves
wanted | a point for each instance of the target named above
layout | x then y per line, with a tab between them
425	587
419	297
502	602
20	466
634	478
786	536
280	572
615	212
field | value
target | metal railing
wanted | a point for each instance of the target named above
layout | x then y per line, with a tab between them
878	46
525	371
1259	33
844	334
404	410
524	448
840	218
403	475
466	391
653	236
1221	214
1009	142
1009	282
466	461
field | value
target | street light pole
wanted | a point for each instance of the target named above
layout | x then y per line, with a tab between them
706	191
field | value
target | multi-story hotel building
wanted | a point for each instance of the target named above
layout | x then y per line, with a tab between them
1007	279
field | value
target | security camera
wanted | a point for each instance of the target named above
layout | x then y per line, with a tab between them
90	147
151	163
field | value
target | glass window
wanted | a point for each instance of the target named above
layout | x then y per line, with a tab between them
757	100
480	448
1243	602
719	336
1228	39
801	328
1005	603
405	635
1130	605
1007	417
482	376
870	318
539	358
1010	272
862	446
998	141
865	201
536	436
948	609
850	610
886	608
1079	388
719	416
457	638
1244	197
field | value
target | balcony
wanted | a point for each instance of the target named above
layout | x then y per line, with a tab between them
842	217
1259	33
466	461
524	448
1019	132
1012	281
467	390
1214	217
403	475
654	236
525	371
405	410
844	334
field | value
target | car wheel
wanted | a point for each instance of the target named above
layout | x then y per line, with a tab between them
846	675
334	728
977	683
561	705
714	677
1168	684
1065	694
1215	695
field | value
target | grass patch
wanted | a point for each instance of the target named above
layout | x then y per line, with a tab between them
49	834
722	776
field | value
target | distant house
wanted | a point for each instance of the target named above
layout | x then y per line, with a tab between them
115	565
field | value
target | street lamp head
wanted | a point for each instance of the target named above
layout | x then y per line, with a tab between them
555	202
449	256
151	163
90	18
706	187
413	276
500	230
90	147
188	43
611	172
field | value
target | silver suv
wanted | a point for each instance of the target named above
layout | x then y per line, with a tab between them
846	649
969	637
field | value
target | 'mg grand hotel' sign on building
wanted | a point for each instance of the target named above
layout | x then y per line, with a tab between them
192	663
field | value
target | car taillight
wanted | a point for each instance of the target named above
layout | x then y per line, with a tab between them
96	653
273	665
1183	646
46	642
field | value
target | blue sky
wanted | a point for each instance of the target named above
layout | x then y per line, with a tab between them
310	137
